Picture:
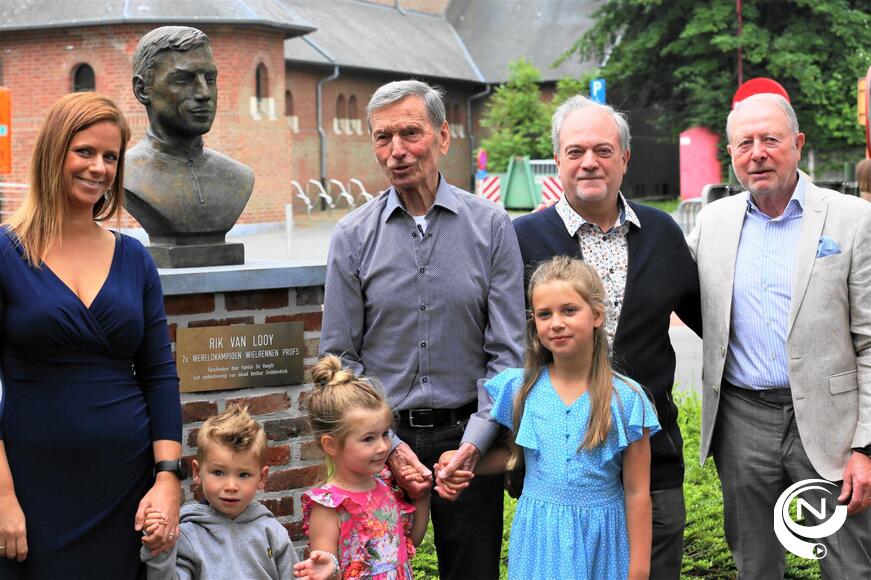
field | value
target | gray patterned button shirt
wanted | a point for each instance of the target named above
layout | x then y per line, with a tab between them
607	252
430	316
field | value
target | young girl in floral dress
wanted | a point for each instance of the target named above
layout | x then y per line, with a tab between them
358	518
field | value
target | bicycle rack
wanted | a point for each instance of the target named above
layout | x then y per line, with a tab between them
343	193
301	194
366	195
322	194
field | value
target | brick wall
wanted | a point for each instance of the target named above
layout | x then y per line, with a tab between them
293	456
38	67
351	155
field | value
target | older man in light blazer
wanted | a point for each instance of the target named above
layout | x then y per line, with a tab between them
785	274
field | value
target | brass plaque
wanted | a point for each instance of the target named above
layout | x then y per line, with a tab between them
236	357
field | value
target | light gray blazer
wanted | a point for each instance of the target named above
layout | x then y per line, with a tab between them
829	331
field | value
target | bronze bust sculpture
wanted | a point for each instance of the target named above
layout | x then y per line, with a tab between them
186	196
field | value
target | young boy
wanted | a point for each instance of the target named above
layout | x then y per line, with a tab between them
229	535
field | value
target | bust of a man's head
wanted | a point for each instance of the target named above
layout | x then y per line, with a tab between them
175	77
186	196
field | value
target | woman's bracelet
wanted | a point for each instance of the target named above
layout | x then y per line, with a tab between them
335	562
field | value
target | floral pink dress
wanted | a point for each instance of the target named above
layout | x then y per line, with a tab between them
374	529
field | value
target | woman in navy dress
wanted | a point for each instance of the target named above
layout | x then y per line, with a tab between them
90	393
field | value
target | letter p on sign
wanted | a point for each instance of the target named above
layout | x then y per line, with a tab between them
597	90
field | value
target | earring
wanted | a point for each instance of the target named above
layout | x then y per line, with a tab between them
107	195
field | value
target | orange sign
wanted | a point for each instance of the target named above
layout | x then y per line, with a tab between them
861	105
5	130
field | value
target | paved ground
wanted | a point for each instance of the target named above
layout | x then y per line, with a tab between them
310	241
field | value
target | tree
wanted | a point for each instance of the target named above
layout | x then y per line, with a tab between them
678	58
518	118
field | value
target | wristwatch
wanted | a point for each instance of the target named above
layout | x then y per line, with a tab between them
176	467
863	450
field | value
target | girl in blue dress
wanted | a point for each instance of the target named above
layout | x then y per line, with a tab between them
582	432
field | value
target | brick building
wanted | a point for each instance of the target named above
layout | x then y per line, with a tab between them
48	49
282	62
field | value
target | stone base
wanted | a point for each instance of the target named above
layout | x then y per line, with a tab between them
197	255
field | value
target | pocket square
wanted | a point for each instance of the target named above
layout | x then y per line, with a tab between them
827	247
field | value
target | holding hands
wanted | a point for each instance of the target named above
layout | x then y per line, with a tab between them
157	516
410	474
455	471
154	520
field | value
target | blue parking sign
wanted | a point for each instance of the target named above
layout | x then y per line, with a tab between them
597	90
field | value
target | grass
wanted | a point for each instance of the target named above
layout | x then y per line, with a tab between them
705	552
668	205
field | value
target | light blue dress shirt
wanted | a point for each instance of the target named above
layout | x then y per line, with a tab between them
762	295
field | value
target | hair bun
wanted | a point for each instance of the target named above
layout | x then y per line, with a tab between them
329	372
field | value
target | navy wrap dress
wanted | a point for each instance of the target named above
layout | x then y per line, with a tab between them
86	391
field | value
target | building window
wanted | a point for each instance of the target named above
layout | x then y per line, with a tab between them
292	120
341	119
288	104
262	83
261	102
83	79
455	121
355	125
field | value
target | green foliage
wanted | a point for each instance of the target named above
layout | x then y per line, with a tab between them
518	118
706	554
566	88
679	59
666	205
425	563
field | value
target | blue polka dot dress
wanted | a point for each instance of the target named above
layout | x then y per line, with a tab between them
570	520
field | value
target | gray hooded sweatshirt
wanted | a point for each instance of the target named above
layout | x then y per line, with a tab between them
211	546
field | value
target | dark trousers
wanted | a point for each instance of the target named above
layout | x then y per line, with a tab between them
669	520
468	532
759	453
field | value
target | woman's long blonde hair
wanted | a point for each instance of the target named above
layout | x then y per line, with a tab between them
586	282
38	222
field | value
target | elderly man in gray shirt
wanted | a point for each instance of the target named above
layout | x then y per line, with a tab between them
424	293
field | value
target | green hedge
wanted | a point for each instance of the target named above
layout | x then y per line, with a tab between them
705	552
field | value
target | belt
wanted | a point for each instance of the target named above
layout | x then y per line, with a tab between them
772	395
430	418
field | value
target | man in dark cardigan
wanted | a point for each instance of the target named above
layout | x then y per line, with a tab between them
648	273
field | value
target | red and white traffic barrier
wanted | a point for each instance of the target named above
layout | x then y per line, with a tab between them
551	188
490	189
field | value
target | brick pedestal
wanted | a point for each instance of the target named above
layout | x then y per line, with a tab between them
256	293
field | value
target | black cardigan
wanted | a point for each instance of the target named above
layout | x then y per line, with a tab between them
662	278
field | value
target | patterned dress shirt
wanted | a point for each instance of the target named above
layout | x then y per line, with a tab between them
607	252
430	316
